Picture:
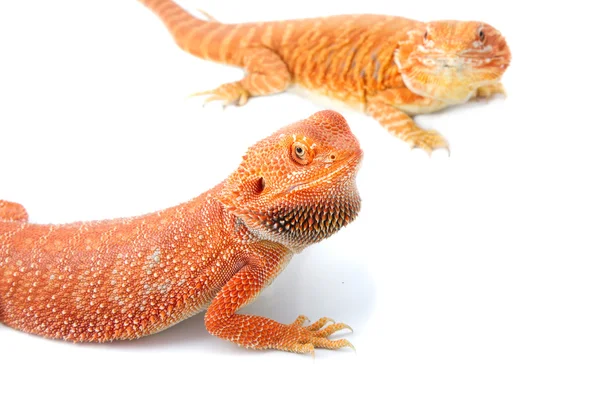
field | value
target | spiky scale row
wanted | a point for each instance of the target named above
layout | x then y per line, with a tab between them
131	277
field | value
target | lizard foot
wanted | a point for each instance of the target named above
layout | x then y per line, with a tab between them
228	93
304	339
427	141
485	92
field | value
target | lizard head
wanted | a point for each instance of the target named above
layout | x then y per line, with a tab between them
298	186
449	60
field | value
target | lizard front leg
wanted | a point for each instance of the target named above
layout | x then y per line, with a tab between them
10	211
266	74
256	332
400	124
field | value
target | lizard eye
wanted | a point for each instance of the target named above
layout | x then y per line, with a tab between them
426	35
300	153
481	35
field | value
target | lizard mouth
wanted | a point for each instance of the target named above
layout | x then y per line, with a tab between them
351	165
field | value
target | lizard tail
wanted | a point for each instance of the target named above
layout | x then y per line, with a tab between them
10	211
202	38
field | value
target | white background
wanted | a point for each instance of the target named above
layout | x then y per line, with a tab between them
474	276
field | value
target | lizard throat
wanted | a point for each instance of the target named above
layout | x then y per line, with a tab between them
312	220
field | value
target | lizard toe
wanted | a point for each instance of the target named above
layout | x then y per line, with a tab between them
319	324
300	320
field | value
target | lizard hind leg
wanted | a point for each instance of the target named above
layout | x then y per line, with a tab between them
10	211
266	74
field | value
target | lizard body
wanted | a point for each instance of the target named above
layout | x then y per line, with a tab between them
130	277
390	67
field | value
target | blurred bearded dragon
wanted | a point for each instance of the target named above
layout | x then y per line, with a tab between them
390	67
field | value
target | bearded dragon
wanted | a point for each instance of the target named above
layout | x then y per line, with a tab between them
390	67
131	277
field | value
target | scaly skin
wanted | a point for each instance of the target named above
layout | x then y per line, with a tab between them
390	67
126	278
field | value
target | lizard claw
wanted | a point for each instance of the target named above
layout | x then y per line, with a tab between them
331	329
230	94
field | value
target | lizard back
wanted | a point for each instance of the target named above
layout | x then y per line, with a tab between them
345	56
101	280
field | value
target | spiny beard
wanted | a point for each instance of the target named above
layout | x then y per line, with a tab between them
309	223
